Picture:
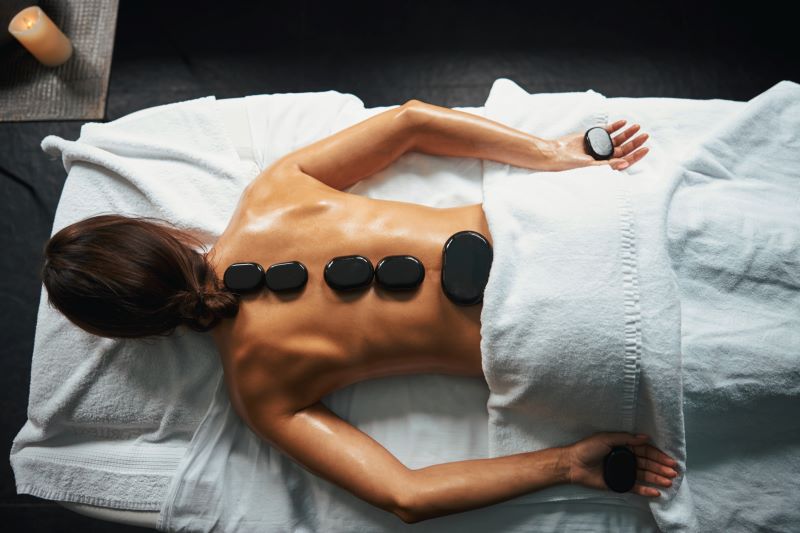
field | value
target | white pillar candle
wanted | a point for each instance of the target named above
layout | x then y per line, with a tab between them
40	36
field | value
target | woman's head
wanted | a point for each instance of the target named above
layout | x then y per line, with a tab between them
124	277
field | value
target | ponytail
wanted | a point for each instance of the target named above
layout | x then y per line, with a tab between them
127	277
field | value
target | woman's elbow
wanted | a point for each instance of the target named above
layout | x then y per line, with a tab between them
411	114
405	507
406	514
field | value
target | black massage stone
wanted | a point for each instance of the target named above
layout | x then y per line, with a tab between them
619	469
288	276
399	272
348	273
243	277
467	258
598	143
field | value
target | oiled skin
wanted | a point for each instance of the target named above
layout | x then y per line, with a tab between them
282	353
317	340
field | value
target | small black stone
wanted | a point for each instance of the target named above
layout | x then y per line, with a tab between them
349	272
619	469
243	277
466	261
288	276
399	272
598	143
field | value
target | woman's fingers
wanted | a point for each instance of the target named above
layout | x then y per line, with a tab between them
651	462
623	159
655	467
628	160
654	479
648	466
611	128
629	147
641	490
653	453
637	439
625	135
636	156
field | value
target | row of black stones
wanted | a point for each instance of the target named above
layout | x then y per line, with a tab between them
394	273
248	277
466	260
345	273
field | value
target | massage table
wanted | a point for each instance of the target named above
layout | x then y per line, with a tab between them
423	420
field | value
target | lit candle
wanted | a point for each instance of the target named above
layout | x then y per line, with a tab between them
40	36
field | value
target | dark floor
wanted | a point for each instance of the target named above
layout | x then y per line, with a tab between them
443	53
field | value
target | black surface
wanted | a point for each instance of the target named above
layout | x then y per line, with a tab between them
243	277
399	272
466	261
619	469
289	276
385	53
349	273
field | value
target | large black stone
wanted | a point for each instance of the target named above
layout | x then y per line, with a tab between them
243	277
598	144
288	276
619	469
348	273
466	261
399	272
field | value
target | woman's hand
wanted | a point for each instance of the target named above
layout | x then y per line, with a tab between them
571	153
585	460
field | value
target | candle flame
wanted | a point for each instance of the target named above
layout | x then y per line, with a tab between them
28	23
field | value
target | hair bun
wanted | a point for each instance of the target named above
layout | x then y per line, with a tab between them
197	307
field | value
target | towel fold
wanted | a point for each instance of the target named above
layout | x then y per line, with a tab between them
108	421
734	241
580	324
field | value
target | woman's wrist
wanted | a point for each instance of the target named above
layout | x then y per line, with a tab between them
545	154
564	465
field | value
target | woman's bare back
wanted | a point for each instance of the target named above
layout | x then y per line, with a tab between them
283	352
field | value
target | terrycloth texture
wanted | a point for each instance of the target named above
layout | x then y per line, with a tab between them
734	238
108	420
421	419
580	324
724	247
231	479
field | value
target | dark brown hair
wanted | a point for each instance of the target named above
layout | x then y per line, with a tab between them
125	277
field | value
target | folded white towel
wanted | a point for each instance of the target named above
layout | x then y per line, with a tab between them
109	420
734	240
581	319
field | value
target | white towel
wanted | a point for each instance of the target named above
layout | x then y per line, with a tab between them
231	479
712	219
77	447
734	241
581	320
109	420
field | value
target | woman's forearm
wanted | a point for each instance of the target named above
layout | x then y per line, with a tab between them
442	131
463	485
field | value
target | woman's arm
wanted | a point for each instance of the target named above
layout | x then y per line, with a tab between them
363	149
331	448
443	131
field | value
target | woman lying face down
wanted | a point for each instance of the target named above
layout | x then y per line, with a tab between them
281	352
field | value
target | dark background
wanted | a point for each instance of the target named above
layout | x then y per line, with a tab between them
443	53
